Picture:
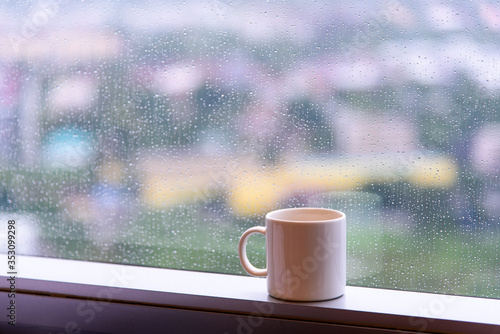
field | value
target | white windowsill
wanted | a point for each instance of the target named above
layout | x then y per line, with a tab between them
242	295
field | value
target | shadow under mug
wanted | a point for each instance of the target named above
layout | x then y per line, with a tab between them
305	253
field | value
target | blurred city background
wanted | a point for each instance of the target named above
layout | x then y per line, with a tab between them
155	132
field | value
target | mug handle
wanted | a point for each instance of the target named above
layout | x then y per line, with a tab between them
242	250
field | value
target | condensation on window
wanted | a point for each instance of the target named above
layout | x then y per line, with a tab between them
155	132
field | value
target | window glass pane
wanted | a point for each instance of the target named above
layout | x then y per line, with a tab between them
156	132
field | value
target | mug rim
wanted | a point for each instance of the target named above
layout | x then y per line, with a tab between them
338	215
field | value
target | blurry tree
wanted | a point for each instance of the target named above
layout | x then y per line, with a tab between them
308	119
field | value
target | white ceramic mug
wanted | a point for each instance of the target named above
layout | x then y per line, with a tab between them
305	253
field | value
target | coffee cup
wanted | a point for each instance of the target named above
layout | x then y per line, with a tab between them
305	253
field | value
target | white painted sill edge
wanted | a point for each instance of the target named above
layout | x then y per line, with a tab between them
378	308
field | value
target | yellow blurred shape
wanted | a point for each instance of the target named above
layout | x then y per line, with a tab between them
167	181
255	192
160	190
434	172
254	189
